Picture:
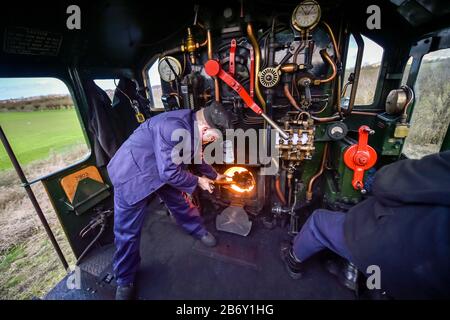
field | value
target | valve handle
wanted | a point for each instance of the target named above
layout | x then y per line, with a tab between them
213	69
360	157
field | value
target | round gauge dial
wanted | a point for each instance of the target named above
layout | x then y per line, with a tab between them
169	68
306	15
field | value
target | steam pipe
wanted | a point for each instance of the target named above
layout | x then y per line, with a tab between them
338	95
309	191
210	56
333	41
330	61
326	119
257	52
278	190
291	99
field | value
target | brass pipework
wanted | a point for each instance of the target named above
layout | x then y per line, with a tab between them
210	56
278	190
191	46
333	40
330	61
289	68
257	51
291	99
309	192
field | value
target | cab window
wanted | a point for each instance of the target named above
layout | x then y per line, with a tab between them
431	116
39	118
369	74
154	86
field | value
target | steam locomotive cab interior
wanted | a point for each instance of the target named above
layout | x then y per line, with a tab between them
290	73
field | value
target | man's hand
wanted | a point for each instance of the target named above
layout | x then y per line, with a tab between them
206	184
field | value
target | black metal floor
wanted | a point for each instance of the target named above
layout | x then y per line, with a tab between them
176	266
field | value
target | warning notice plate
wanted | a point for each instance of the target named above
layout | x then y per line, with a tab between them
22	40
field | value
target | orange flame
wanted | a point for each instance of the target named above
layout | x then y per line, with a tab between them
231	171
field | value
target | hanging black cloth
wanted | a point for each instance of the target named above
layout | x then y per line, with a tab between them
125	95
104	124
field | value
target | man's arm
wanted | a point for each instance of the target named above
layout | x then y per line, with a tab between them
424	181
207	170
169	172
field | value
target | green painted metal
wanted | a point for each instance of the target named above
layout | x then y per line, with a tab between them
383	140
339	180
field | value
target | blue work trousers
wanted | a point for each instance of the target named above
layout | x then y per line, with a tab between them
128	222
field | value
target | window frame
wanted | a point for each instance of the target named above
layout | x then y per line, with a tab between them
414	74
148	85
381	74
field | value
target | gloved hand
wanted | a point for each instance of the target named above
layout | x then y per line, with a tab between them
206	184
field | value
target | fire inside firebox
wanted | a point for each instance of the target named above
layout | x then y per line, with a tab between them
241	180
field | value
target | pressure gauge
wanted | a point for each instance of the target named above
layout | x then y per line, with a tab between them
169	68
306	15
337	131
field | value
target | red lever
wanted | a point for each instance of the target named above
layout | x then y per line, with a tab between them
231	67
213	69
360	157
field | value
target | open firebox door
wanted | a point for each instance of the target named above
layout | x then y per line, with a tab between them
234	218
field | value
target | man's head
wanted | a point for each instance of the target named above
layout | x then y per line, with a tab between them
213	120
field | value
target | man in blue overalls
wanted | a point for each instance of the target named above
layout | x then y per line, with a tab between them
144	165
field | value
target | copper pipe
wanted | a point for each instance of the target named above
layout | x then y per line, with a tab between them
289	68
257	51
291	99
327	57
338	95
333	41
279	192
309	191
209	41
210	56
326	119
338	58
365	113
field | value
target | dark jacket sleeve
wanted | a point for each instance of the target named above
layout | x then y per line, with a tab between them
424	181
207	170
404	228
170	172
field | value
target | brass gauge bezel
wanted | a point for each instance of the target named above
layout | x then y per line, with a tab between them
172	61
294	13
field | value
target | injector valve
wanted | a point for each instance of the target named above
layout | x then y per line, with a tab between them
360	157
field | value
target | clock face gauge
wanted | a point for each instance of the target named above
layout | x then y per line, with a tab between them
169	68
306	15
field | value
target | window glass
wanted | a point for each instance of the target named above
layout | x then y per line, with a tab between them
155	85
41	124
406	71
370	70
107	85
431	116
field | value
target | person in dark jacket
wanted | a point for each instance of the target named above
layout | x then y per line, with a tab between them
145	164
403	228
